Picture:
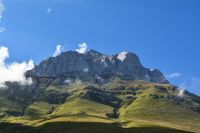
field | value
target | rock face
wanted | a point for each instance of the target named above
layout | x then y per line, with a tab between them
95	66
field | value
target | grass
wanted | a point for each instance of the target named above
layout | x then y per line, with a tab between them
164	112
83	107
8	106
145	107
39	109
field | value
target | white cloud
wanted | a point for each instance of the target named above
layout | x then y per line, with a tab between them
83	48
174	75
181	93
181	90
3	55
58	51
49	10
13	72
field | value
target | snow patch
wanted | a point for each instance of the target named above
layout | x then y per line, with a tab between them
122	56
152	69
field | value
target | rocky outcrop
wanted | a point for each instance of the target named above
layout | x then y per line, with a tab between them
95	66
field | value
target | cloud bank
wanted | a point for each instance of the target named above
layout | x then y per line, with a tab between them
58	51
13	72
83	48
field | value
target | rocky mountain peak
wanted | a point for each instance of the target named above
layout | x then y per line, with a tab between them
129	58
95	66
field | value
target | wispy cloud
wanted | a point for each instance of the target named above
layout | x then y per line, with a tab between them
58	50
13	72
83	48
185	82
174	75
2	9
49	10
193	83
2	29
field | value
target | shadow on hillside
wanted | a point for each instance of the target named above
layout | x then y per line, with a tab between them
81	127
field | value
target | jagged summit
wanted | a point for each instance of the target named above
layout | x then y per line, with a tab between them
96	66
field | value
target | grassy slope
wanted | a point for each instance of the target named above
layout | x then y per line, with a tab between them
9	106
163	112
82	107
144	114
39	109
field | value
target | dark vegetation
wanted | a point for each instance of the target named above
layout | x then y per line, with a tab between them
82	127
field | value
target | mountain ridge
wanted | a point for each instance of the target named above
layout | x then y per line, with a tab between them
94	65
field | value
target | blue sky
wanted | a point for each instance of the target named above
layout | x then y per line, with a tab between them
164	33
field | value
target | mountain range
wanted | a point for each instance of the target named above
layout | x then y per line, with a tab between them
93	92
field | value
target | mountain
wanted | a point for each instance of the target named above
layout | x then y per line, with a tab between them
93	92
95	66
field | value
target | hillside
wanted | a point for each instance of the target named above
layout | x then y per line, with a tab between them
126	104
76	103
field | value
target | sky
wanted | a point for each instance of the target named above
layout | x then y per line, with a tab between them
165	34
